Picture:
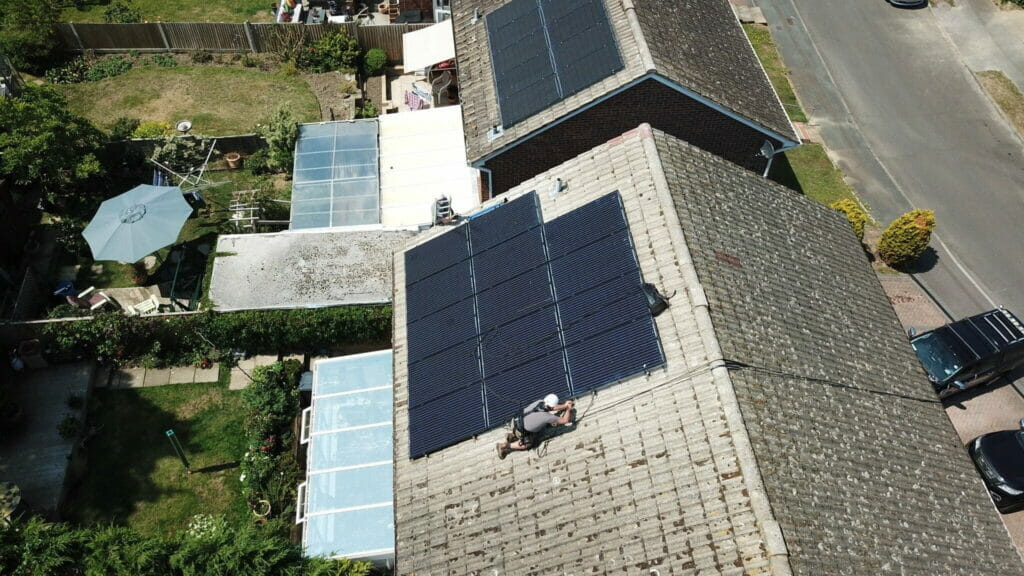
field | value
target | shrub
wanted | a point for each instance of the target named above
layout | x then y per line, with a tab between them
258	162
152	129
367	110
183	339
906	238
280	130
72	72
250	61
182	153
374	61
163	60
200	57
121	12
68	233
123	127
272	403
69	427
108	68
856	215
337	50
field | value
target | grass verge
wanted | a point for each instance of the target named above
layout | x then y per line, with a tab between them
807	169
219	100
768	54
1006	95
134	477
178	11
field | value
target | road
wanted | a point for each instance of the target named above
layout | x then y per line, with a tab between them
910	127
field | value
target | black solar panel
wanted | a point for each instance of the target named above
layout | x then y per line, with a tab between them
436	255
543	51
446	421
538	308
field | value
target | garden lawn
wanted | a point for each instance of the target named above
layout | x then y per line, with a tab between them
178	11
219	100
808	170
134	477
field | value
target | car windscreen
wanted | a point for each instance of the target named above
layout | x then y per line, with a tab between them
1007	456
941	354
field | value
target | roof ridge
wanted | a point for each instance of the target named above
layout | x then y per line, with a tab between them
768	525
641	40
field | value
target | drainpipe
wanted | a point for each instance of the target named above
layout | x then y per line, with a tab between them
768	151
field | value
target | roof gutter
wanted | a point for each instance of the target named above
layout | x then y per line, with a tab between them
771	532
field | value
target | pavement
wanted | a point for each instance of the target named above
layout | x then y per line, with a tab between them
125	378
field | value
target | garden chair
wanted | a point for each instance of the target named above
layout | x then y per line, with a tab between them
148	306
441	84
89	298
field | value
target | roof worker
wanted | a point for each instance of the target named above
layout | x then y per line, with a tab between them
534	420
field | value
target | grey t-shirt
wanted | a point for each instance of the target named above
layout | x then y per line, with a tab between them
536	421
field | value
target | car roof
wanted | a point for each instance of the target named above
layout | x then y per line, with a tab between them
989	332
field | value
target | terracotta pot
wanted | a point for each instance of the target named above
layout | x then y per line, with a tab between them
234	160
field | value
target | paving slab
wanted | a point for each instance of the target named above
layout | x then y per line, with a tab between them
128	378
34	456
181	375
210	374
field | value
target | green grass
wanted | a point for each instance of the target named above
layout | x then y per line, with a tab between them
179	11
1006	95
220	100
134	477
808	170
766	51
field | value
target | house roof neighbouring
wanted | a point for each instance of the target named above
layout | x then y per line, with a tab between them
696	44
790	431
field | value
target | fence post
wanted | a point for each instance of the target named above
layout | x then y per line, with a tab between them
163	36
248	36
77	38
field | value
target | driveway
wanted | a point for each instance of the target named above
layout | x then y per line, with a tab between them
996	407
908	124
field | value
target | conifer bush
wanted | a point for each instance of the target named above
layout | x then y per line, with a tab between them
854	213
906	238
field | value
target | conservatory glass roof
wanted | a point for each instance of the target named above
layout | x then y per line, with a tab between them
336	176
347	502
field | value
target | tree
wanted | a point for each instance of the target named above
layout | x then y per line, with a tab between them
906	238
43	144
28	33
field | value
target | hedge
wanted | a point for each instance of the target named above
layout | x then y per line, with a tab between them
191	339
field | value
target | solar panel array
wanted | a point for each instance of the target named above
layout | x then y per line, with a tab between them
506	309
336	176
543	51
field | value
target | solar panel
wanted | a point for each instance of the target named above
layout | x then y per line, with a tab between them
582	43
543	51
336	177
537	308
436	254
445	421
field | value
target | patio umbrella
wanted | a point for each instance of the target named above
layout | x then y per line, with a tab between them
137	223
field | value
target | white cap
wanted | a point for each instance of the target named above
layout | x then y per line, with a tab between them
551	400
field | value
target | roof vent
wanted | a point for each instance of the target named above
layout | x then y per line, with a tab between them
476	16
494	133
557	187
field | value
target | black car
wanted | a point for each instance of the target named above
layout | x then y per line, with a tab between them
970	352
999	456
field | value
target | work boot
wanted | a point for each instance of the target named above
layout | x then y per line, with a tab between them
502	452
511	437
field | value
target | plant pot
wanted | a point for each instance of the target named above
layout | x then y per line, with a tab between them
234	160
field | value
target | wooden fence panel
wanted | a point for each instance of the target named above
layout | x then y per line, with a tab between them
225	37
211	37
118	37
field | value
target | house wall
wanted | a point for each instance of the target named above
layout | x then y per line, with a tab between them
650	101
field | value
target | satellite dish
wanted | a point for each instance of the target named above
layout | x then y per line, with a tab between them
184	126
